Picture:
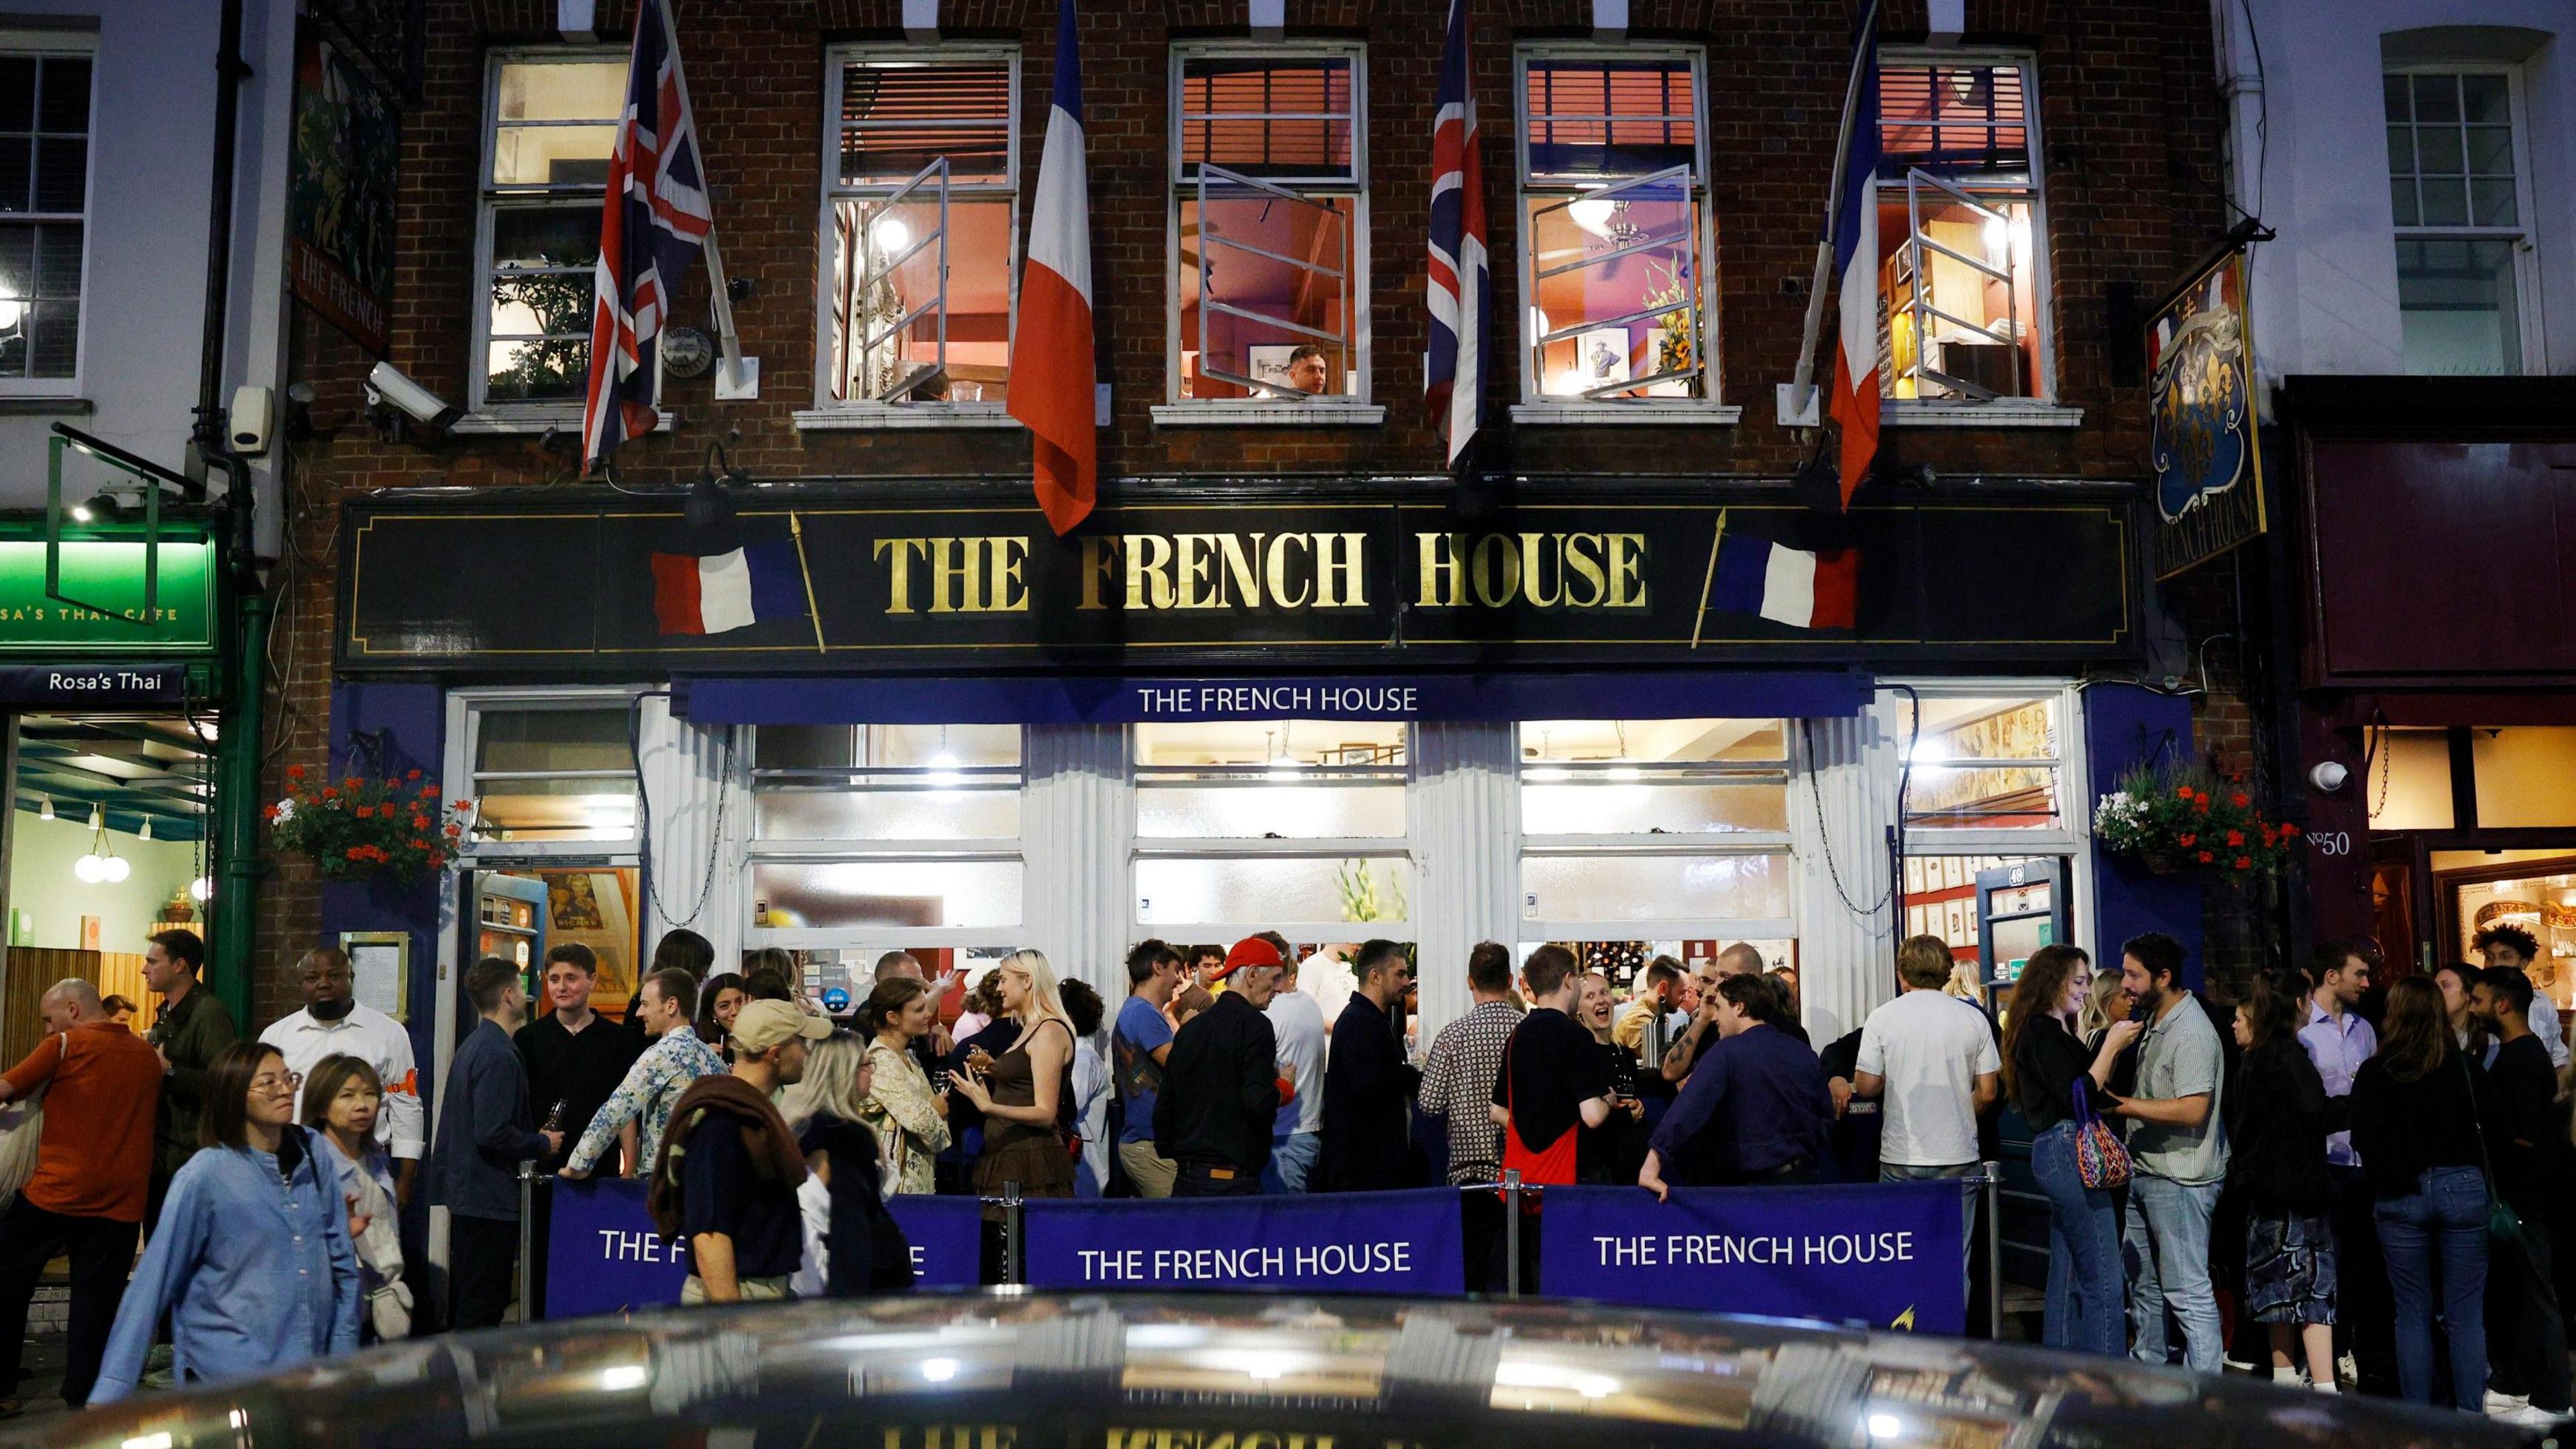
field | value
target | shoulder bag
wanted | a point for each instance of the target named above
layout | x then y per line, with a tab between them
22	1131
2504	1225
2100	1161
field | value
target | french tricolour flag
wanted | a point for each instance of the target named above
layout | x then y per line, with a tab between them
1052	370
1854	404
1788	585
717	592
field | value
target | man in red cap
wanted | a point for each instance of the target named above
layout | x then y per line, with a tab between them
1221	1086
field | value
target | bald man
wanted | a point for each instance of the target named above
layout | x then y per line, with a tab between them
93	1173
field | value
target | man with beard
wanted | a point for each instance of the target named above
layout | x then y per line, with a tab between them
333	1023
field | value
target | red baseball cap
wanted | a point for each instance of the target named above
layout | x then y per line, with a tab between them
1250	951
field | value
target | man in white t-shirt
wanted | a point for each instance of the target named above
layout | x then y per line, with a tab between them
1930	1059
1296	1137
335	1023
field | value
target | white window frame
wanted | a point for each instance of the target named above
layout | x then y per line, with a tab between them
2071	838
1539	407
1222	847
489	201
2043	404
1354	408
2526	253
758	851
465	711
1700	843
829	411
42	45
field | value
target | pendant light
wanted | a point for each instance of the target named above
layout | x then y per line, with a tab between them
146	832
45	807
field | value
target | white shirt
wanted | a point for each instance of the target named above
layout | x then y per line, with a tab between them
1091	1107
1297	1020
1930	1048
2544	1025
372	1037
1329	981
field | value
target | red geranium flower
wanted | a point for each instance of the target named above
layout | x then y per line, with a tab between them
2206	857
295	772
2237	800
2289	831
330	793
2203	804
419	844
460	805
414	775
363	812
2243	862
2186	841
2184	791
420	822
2236	837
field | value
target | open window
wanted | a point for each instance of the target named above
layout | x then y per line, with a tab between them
1961	233
551	128
1270	206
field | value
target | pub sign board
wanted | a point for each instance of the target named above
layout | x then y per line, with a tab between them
907	578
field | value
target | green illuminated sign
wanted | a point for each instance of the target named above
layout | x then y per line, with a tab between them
98	602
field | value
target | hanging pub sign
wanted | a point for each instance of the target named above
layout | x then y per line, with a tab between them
340	199
2202	437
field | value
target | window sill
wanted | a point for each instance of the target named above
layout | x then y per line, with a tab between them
20	405
901	419
1268	415
518	421
1696	414
1895	414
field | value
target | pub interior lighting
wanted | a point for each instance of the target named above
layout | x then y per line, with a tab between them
45	807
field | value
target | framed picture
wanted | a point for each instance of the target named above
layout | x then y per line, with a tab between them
1653	356
596	907
1268	362
381	962
1601	357
1954	872
1914	875
1962	930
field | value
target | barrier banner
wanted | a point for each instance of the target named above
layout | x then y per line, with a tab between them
1885	1254
604	1256
1359	1242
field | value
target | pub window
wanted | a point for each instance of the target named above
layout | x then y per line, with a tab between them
877	837
1982	762
552	772
920	225
1962	233
1649	833
1270	217
44	200
2455	190
1614	201
1246	825
553	125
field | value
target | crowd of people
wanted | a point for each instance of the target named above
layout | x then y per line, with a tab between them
2353	1184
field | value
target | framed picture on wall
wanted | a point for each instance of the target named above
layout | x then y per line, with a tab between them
1914	875
381	963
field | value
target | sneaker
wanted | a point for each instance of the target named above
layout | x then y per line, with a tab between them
2289	1377
2346	1371
2238	1365
2498	1405
2527	1417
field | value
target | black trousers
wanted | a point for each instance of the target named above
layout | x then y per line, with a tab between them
1199	1179
2526	1339
482	1259
2365	1309
102	1254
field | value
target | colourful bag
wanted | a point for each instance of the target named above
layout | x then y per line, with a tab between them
2100	1160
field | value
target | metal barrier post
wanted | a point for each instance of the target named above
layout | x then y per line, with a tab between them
527	1242
1011	1224
1994	1194
1511	1232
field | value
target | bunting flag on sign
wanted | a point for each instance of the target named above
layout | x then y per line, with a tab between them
1053	376
1854	404
1461	288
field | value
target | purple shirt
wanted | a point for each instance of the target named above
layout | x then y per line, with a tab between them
2338	1049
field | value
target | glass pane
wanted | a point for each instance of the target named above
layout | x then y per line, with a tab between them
1980	729
2455	299
1954	120
2526	777
542	304
54	339
1581	281
2446	201
586	90
885	747
2017	797
58	259
1289	302
866	299
1258	890
2394	92
2486	99
1658	887
62	173
1291	811
2492	201
17	92
553	739
17	262
927	813
926	893
1174	750
1974	326
2490	150
555	809
2401	200
538	371
1265	117
900	116
1655	741
552	155
546	236
1640	809
17	171
1608	119
64	108
2437	98
2438	148
2401	150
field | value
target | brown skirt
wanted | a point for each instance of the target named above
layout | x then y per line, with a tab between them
1037	1162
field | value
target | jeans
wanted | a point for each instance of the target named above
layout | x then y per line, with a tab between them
2084	1301
1903	1172
2443	1222
2169	1227
102	1251
1207	1179
1292	1156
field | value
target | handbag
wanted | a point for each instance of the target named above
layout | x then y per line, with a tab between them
2100	1161
22	1132
2504	1225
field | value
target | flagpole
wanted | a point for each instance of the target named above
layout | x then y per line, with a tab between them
1802	386
729	369
1708	579
796	527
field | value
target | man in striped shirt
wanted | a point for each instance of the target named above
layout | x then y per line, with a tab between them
1458	1076
639	1111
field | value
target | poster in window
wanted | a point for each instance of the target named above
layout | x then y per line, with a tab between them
340	196
596	908
1914	875
1601	357
2201	439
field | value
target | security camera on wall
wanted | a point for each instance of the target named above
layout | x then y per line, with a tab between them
387	386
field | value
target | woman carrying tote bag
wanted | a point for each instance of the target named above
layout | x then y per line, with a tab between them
2054	1081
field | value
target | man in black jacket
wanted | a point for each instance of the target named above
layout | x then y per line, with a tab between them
1368	1137
2526	1339
1221	1087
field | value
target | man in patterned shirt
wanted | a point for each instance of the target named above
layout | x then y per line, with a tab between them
639	1111
1458	1086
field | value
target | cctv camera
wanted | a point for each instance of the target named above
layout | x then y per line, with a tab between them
2329	777
387	384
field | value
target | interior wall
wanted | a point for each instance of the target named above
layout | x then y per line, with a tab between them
42	885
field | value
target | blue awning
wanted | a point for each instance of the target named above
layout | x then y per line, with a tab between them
1637	694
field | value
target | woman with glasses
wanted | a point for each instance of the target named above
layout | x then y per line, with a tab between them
252	1259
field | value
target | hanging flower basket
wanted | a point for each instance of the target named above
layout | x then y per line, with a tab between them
2173	818
360	828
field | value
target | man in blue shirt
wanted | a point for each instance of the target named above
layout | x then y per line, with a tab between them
1140	1042
1760	1093
485	1131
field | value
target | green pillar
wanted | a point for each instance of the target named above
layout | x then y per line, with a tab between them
237	809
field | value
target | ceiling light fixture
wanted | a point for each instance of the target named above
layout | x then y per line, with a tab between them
45	807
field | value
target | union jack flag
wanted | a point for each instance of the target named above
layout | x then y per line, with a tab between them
652	226
1461	288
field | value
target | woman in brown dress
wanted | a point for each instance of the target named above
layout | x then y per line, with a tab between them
1026	1094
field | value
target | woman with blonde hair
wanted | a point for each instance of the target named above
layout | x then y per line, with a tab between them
2106	1002
852	1245
1967	982
1026	1094
910	1120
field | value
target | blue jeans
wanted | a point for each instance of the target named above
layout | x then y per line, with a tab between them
1904	1172
2443	1222
2169	1227
2084	1300
1292	1156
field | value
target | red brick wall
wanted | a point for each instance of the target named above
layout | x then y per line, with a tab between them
2130	128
